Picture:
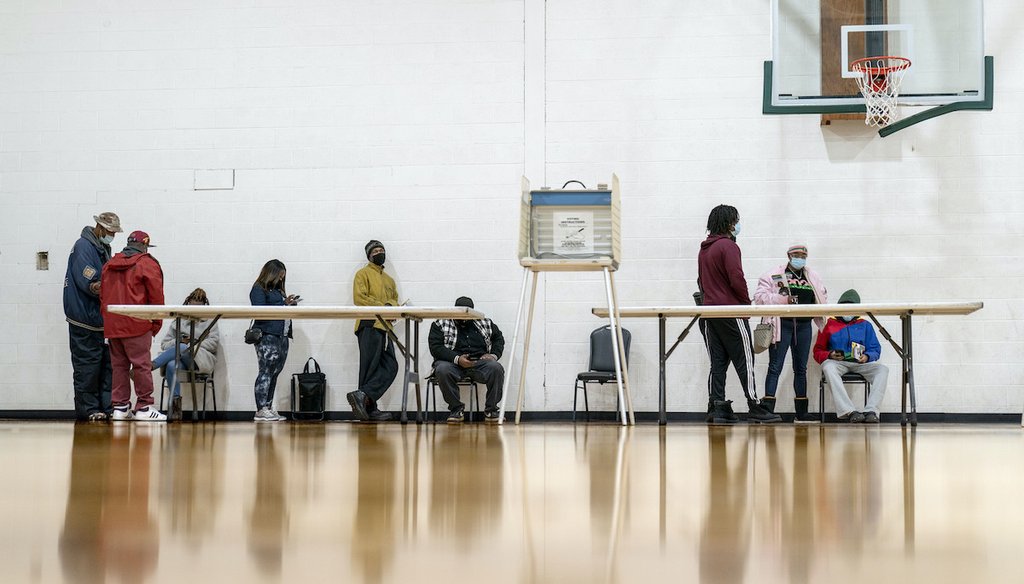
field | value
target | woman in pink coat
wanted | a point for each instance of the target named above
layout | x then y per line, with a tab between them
790	283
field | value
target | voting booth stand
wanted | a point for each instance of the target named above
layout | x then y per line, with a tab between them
570	230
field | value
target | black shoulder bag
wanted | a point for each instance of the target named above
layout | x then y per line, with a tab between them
253	334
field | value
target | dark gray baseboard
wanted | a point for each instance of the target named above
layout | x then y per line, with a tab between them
560	416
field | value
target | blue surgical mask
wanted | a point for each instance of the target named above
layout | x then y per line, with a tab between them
107	239
798	263
847	318
736	229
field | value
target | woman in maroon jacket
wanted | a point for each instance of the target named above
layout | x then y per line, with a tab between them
132	277
721	281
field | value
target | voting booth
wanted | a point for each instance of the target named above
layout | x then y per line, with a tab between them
570	230
570	224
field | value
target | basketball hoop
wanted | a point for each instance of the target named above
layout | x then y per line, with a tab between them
879	81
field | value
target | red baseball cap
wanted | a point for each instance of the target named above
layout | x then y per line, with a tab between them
140	237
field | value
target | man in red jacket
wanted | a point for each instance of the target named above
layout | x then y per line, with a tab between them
132	277
721	281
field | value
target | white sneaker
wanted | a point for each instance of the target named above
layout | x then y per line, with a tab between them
277	416
265	415
149	414
122	414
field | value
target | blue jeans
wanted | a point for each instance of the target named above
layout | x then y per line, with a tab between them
167	358
796	336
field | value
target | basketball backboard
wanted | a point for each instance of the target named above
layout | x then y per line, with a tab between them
814	42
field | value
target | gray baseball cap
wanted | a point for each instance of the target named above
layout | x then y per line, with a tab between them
109	221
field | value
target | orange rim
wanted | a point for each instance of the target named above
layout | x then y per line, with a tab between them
863	65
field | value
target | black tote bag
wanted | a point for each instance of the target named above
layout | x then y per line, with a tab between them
309	393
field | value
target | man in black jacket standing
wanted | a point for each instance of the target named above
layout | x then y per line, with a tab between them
721	280
90	356
467	348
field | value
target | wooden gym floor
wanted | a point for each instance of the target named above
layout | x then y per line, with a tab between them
345	502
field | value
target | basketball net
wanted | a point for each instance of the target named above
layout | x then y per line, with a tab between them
879	81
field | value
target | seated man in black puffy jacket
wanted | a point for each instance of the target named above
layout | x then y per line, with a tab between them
467	348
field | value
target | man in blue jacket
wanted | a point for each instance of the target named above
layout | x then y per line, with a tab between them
846	344
90	356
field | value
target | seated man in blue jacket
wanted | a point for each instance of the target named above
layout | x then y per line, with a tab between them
848	344
469	348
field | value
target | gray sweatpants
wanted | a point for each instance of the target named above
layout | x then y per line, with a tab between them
874	372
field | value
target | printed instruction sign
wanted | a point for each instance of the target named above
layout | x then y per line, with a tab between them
574	232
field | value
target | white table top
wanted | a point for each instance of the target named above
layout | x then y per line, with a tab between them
295	312
797	310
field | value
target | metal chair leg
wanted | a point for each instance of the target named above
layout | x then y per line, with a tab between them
821	399
476	394
575	396
586	401
163	385
432	391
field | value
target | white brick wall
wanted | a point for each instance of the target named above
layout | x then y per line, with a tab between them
409	121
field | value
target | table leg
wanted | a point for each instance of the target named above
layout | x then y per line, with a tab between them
663	358
177	359
416	369
908	351
905	371
404	416
662	415
192	350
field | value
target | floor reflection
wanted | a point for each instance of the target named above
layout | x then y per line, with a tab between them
81	539
373	531
539	503
467	485
268	514
192	480
110	529
725	537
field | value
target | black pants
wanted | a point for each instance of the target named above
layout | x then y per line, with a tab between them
490	373
378	366
90	360
728	340
794	335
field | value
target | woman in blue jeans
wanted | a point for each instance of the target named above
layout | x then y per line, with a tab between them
272	348
206	354
790	283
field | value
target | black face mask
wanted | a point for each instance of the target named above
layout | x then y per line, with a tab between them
378	259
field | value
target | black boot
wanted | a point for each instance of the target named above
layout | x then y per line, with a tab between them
722	413
802	417
768	403
759	414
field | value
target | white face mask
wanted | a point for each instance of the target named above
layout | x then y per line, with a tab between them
736	229
107	239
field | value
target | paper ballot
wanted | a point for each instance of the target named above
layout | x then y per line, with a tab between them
856	351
